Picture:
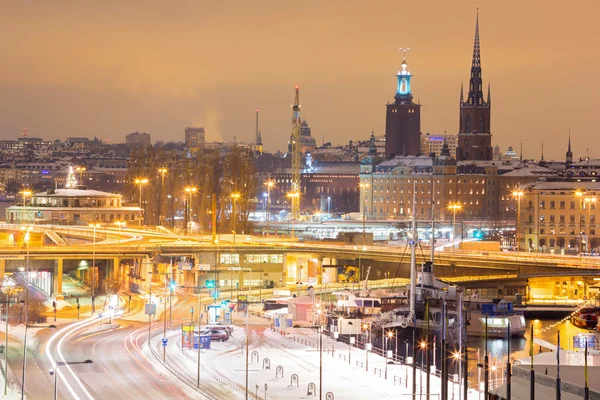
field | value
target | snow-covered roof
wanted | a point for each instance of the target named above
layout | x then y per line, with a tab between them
585	186
75	193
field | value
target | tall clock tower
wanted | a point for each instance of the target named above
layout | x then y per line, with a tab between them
403	119
474	135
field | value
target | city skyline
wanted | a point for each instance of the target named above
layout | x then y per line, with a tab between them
108	70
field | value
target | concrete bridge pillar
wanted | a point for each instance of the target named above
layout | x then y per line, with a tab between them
58	277
116	268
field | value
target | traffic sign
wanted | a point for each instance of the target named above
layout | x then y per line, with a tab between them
215	294
164	342
150	309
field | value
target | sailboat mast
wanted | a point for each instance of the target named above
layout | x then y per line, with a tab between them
432	221
413	252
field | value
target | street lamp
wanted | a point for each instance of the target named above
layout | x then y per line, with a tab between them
141	182
269	185
188	219
93	278
456	356
423	346
234	198
329	207
454	207
25	194
580	194
26	239
54	371
364	186
161	217
25	353
367	329
518	194
120	224
293	196
589	201
390	334
8	286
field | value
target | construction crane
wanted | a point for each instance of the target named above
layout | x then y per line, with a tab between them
296	158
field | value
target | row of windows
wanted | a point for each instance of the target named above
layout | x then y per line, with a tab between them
392	180
562	205
562	219
251	258
561	232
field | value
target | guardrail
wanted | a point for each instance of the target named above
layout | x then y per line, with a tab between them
188	381
220	379
171	369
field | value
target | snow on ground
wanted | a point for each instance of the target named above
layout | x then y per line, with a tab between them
344	380
190	365
18	331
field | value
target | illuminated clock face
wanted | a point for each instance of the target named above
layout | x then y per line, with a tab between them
466	141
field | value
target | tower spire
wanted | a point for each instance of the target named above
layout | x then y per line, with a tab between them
489	98
256	133
475	83
542	159
569	155
521	151
462	97
403	91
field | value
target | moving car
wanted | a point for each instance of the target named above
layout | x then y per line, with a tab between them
219	335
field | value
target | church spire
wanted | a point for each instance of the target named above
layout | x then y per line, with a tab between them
542	159
489	98
462	97
475	83
569	155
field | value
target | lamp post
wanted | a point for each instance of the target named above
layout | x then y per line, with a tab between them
54	371
390	334
329	207
588	203
518	194
423	346
292	196
93	277
580	194
320	330
364	187
269	185
120	224
26	239
25	353
81	170
188	214
161	217
25	194
141	182
456	356
234	198
454	207
367	329
7	288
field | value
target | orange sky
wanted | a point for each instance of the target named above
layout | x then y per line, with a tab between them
106	69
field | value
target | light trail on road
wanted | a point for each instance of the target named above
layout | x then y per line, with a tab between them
63	334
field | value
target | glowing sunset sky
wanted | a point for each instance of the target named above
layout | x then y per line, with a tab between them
106	69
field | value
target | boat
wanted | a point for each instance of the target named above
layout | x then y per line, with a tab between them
586	318
498	315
